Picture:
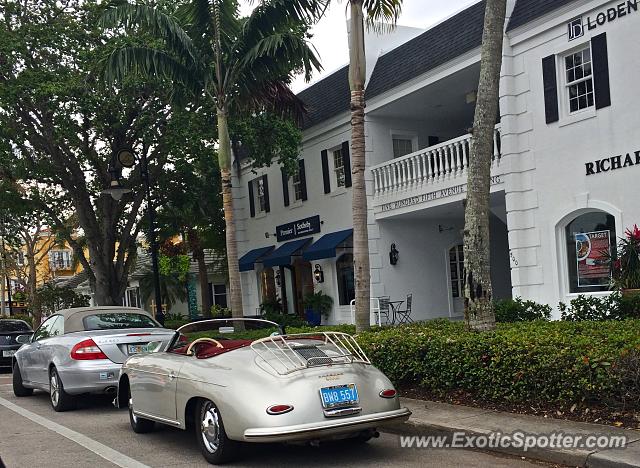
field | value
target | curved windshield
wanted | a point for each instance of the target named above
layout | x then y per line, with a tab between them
230	329
14	326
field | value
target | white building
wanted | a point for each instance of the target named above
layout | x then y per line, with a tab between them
564	169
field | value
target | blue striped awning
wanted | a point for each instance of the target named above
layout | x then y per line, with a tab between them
248	260
282	255
325	247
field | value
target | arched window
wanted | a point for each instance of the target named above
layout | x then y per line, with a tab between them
591	240
346	282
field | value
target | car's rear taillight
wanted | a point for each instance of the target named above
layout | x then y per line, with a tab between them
388	393
87	350
279	409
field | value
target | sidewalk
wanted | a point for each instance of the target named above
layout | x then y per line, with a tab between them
431	418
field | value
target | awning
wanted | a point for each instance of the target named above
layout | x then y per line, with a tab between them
325	247
248	260
282	255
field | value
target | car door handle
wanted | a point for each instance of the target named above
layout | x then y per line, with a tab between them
38	346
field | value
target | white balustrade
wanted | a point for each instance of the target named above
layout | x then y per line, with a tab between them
437	163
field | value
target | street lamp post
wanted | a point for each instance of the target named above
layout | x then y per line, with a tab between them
126	158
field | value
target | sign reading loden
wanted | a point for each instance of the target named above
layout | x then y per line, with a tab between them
578	26
300	228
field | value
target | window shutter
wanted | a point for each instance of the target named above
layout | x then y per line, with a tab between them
600	60
550	88
346	159
267	206
303	179
252	202
325	171
285	186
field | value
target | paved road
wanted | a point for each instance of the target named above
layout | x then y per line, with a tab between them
78	438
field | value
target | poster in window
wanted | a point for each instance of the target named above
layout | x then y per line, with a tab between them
593	250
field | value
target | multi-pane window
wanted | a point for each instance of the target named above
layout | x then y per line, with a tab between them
456	268
60	260
261	197
131	297
296	181
346	281
579	78
402	146
220	295
338	167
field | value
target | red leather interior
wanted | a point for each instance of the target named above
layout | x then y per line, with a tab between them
206	350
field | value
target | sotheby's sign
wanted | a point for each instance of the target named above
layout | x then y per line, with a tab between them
432	196
300	228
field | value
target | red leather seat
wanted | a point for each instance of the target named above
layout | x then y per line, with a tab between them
206	350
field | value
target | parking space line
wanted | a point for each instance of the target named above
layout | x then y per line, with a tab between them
96	447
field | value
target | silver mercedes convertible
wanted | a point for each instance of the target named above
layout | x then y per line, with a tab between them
246	380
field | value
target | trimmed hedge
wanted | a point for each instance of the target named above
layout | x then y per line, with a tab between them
537	362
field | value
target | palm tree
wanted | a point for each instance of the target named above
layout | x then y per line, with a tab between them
243	64
377	13
479	313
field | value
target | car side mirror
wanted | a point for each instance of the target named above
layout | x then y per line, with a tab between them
24	339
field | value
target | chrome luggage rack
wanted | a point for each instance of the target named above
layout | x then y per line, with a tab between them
289	356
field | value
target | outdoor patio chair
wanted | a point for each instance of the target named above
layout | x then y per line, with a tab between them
404	315
374	309
385	309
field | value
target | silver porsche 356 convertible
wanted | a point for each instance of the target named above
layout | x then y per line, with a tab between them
245	380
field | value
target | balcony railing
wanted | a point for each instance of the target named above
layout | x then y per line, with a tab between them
431	165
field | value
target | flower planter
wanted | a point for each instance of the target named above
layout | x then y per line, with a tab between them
312	317
630	292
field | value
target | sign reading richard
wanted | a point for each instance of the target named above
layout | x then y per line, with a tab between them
300	228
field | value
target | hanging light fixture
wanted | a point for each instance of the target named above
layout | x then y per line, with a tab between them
318	274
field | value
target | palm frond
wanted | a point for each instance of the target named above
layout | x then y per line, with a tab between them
156	23
381	15
273	96
148	62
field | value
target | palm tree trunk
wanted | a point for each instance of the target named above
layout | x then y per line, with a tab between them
195	244
357	77
224	160
479	313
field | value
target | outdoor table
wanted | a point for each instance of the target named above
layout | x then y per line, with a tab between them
395	305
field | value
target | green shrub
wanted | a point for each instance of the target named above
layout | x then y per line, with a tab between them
613	306
175	324
536	362
287	320
517	310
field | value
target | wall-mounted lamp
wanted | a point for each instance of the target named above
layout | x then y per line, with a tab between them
278	279
393	254
318	274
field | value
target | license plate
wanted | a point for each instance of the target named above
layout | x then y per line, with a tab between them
340	395
138	348
8	353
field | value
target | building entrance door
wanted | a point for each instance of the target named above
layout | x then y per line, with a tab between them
303	283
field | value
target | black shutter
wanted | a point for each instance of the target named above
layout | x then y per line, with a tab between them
550	82
252	203
303	179
346	160
600	60
265	181
325	171
285	186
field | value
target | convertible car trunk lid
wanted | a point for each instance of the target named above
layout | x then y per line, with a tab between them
118	345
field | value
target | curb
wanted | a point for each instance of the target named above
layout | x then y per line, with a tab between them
461	420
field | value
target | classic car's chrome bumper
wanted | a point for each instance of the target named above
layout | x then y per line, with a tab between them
325	429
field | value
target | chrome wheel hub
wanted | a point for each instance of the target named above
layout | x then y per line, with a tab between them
54	389
210	428
133	415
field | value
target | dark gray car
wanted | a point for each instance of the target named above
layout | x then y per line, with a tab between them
10	329
81	350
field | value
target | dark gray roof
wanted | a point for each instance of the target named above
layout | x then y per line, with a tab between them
453	37
326	98
528	10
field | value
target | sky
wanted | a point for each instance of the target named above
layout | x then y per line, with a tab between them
330	34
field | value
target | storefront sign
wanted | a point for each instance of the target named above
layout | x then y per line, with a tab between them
613	163
577	26
301	228
593	250
432	196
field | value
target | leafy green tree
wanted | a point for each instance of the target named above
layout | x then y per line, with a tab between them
59	127
244	65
